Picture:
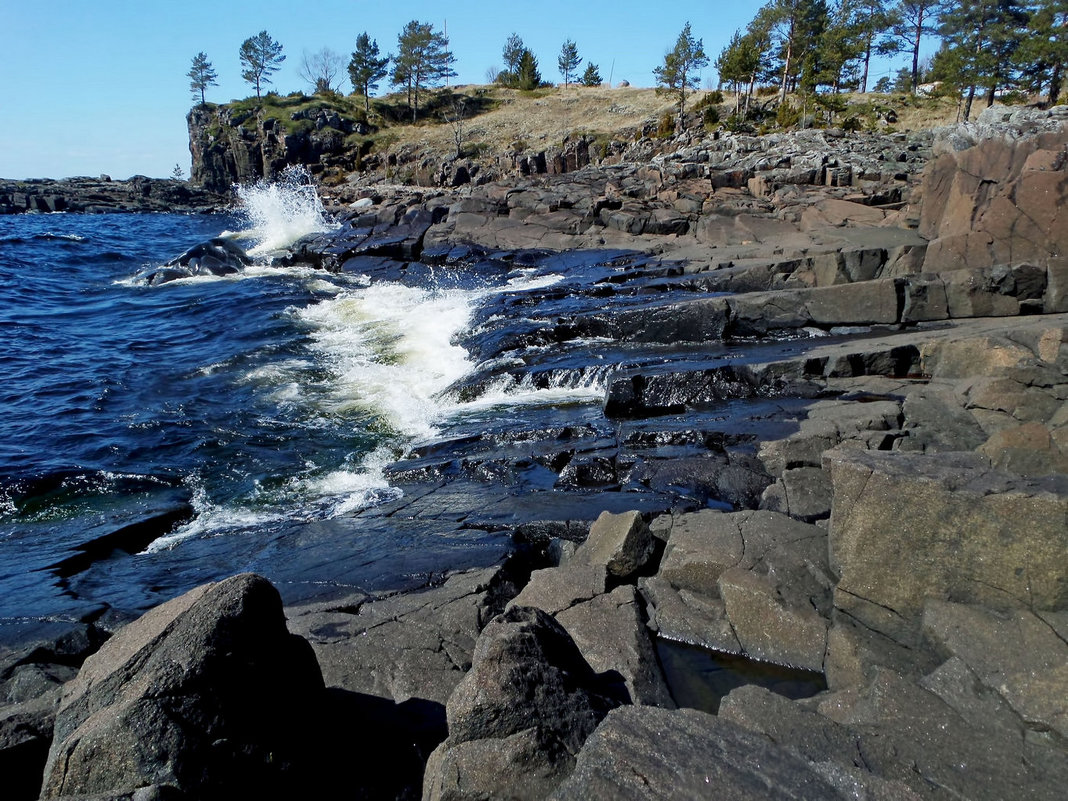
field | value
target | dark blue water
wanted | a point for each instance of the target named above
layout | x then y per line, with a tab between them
195	404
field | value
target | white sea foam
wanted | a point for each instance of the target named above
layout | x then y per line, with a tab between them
390	349
345	490
279	212
210	519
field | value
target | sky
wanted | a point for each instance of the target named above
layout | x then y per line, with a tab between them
97	87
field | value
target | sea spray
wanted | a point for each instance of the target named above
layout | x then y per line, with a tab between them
279	212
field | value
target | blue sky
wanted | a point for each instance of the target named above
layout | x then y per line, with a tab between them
100	86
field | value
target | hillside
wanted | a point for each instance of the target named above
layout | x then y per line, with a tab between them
497	131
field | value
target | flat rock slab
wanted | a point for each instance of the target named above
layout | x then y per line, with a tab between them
411	645
1018	655
649	753
908	527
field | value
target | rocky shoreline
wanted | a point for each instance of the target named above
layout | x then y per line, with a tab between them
899	535
102	194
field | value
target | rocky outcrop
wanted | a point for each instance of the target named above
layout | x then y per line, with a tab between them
206	695
96	195
236	145
1002	199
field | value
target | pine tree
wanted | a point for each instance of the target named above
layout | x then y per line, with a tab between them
982	39
201	76
592	75
528	76
740	63
366	69
910	22
261	56
679	72
1044	53
873	20
423	60
569	60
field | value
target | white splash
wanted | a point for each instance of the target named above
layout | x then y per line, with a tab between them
280	212
390	350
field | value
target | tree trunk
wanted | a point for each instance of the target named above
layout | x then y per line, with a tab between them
787	63
867	64
968	102
916	52
1055	79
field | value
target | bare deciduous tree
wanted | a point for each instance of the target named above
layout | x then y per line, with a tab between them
323	70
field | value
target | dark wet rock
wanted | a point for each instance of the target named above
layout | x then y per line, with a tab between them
695	755
99	195
217	256
132	719
522	713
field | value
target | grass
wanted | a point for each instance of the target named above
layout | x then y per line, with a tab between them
500	120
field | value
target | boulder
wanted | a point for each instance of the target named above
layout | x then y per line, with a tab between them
207	694
528	704
621	543
908	527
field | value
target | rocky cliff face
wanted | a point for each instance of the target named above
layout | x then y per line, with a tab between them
232	145
997	191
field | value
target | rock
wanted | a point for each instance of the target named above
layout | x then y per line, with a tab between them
768	629
409	646
905	528
610	632
555	589
217	256
1017	655
835	751
1028	449
208	694
701	546
936	420
688	617
908	733
696	755
998	202
622	543
803	493
529	699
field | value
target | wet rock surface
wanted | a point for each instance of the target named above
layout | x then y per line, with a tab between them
89	195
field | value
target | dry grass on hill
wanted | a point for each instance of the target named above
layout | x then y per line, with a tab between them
536	120
545	117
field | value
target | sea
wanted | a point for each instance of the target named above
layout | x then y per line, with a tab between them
209	418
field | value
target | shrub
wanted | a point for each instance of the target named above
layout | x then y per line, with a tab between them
666	126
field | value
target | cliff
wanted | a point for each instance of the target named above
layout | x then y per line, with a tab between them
241	143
